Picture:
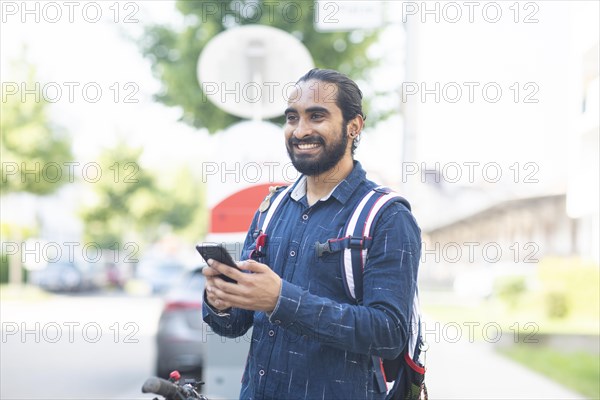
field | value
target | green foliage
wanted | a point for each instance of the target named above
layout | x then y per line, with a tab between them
570	286
12	230
3	268
578	370
130	204
564	298
174	54
557	305
34	151
510	289
185	211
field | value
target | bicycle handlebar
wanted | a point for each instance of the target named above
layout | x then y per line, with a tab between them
173	390
161	387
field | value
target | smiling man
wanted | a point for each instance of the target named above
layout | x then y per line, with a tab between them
317	334
316	131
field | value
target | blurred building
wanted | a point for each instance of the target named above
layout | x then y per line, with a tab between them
512	174
583	200
510	237
523	230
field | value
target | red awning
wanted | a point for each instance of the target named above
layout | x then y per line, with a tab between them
234	213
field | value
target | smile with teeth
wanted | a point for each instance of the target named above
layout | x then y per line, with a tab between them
307	146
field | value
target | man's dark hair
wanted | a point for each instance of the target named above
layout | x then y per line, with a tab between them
349	95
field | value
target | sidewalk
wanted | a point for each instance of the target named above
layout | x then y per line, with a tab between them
465	370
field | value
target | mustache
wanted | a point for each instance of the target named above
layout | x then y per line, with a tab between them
310	140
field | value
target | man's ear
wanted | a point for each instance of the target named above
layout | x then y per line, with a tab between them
355	126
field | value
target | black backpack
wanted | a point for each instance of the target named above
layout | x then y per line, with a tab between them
407	371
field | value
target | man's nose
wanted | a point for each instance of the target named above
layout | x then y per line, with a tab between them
303	129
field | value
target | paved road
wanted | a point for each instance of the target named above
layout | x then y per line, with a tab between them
77	347
469	369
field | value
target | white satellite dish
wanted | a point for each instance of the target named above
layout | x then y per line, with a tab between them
248	71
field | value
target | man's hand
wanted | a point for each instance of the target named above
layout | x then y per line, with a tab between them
258	290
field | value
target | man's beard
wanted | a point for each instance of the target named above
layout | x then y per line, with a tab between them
330	154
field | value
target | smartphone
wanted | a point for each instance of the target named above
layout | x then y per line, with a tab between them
219	253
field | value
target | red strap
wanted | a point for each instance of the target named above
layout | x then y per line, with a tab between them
382	369
413	365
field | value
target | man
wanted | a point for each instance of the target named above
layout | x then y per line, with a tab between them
310	339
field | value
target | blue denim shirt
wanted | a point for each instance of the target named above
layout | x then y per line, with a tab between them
318	343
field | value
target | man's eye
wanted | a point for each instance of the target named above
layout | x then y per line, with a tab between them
317	116
290	117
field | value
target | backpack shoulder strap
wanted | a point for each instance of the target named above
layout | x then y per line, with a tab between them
356	243
266	210
359	228
358	231
270	204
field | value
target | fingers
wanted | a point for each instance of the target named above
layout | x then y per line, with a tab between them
213	296
220	305
208	272
224	269
253	266
217	290
257	290
216	268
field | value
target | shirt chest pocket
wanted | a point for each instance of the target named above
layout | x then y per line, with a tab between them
325	268
326	249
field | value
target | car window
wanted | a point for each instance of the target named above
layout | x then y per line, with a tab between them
171	267
193	281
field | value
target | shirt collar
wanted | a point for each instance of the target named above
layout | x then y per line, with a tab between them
341	192
299	189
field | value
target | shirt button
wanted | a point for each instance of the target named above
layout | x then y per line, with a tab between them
305	217
277	322
271	333
292	253
261	372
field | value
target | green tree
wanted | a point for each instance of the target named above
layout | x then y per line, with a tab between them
34	153
129	204
174	53
184	207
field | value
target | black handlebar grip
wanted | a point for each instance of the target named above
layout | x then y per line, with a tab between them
161	387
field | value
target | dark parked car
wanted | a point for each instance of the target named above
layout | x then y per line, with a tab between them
181	335
67	276
160	273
